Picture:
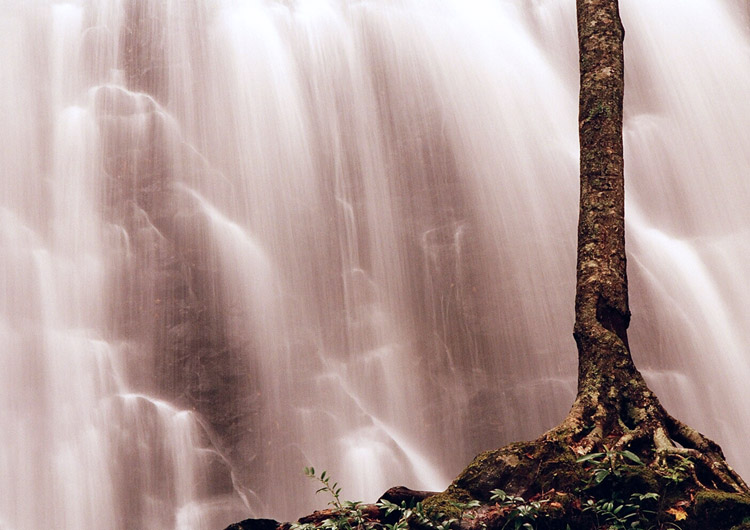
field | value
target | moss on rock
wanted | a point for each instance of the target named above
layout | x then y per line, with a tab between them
522	469
509	468
718	509
448	503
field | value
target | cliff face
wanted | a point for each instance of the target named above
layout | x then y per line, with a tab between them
166	294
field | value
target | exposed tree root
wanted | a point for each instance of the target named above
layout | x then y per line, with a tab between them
705	453
683	466
633	419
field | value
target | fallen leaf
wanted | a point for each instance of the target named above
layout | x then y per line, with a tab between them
679	514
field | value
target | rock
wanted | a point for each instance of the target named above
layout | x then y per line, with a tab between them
254	524
399	494
719	509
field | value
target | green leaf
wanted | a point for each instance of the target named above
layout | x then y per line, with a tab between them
590	456
498	495
632	456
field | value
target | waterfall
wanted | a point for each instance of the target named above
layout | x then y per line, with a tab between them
243	237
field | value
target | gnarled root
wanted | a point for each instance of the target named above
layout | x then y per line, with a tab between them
597	422
704	452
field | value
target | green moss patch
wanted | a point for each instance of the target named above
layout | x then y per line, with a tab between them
718	509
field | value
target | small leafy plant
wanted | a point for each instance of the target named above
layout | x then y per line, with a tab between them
609	463
638	511
333	490
623	514
677	473
416	514
522	514
348	515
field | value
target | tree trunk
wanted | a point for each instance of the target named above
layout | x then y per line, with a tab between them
614	407
602	314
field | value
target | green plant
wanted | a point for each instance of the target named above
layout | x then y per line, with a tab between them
388	508
333	490
638	511
423	518
609	463
418	515
679	472
522	514
348	515
624	514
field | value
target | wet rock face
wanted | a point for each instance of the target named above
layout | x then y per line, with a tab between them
166	286
142	41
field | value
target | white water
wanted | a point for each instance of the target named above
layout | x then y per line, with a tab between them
242	237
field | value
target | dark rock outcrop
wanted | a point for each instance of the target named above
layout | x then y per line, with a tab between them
254	524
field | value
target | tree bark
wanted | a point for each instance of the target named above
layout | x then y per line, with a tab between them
601	304
602	314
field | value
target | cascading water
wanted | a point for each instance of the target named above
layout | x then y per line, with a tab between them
242	237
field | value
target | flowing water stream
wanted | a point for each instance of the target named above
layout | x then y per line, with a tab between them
242	237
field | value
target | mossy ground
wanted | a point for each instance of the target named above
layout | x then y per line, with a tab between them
547	472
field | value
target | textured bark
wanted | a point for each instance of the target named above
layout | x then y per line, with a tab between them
602	313
601	305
